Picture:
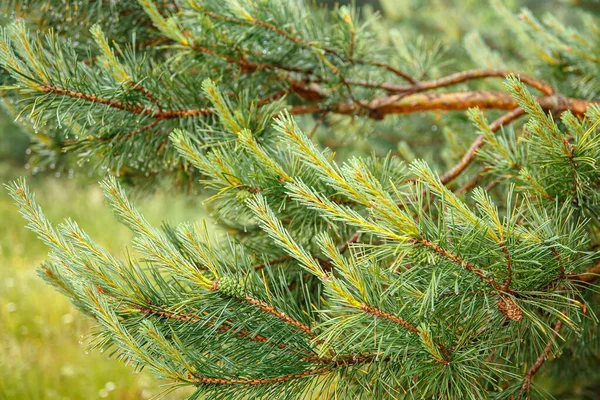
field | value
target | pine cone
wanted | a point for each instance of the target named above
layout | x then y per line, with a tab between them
509	308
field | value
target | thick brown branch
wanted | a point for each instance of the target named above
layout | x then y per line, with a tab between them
448	101
377	108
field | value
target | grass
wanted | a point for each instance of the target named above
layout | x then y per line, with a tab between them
42	336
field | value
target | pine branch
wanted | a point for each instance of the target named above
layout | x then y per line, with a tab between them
180	316
385	282
378	313
157	114
461	263
337	363
248	19
261	305
377	108
207	381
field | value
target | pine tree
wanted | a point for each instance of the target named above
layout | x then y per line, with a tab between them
406	264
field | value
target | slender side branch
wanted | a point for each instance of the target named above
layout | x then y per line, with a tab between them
469	156
508	258
353	239
261	305
191	318
457	78
588	276
471	183
307	44
208	381
376	312
461	262
245	65
131	108
331	365
274	261
324	263
535	367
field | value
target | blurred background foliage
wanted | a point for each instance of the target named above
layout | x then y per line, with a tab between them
40	357
42	336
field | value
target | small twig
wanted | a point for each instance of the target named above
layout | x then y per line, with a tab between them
541	359
376	312
274	261
211	381
139	46
318	124
460	77
145	92
389	68
471	183
353	239
304	43
140	129
469	156
324	263
493	183
508	258
561	267
588	276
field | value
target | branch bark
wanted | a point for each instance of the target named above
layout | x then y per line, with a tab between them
380	107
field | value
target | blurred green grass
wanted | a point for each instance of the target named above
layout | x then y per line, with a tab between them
42	336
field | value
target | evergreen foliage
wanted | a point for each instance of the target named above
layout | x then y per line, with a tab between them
409	264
